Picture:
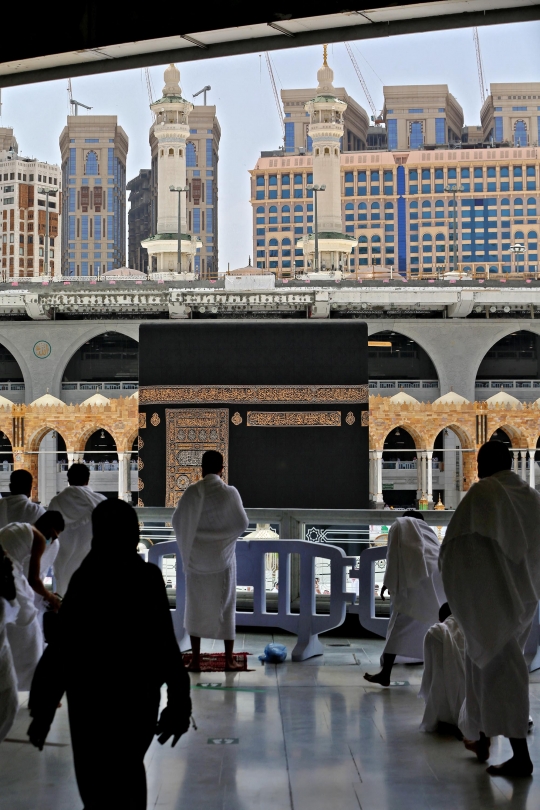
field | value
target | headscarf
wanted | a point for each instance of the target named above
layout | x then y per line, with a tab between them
115	529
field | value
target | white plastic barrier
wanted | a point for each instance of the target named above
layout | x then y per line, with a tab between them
250	562
378	625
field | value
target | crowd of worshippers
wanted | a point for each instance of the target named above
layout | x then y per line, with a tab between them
465	608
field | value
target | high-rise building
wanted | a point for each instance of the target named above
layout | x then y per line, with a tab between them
511	114
139	219
202	154
169	143
94	151
25	211
421	115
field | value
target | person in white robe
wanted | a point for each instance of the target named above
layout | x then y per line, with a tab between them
32	550
413	581
490	565
208	521
75	503
17	507
443	681
9	699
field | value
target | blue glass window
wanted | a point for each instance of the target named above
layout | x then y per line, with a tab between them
415	111
298	179
72	161
349	177
285	179
498	128
391	129
209	152
97	231
272	180
72	199
191	154
259	195
84	227
196	220
110	161
362	177
91	166
309	145
260	180
520	134
416	138
519	109
209	220
440	130
72	221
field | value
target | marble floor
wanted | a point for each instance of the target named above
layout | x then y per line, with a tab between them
309	736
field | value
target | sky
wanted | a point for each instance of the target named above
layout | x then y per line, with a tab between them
246	108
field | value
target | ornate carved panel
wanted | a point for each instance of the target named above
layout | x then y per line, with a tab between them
365	419
191	431
294	419
142	420
254	394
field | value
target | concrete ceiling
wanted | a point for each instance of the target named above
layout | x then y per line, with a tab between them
99	36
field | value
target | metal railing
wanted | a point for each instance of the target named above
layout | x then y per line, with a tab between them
100	386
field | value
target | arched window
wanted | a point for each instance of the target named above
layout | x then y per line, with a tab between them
440	237
439	204
520	134
272	219
286	209
317	151
531	201
413	205
375	238
91	163
326	150
191	154
362	212
181	152
286	214
362	206
349	207
389	206
505	201
260	209
273	242
299	208
375	205
171	152
427	237
362	239
426	204
349	217
162	153
286	242
273	209
518	202
519	235
531	235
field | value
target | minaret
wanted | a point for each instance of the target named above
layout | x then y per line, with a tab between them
326	131
168	136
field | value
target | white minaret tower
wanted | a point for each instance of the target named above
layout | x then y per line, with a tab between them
326	131
168	136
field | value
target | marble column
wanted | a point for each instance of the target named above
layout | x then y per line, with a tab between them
124	489
532	471
378	492
515	465
372	476
429	470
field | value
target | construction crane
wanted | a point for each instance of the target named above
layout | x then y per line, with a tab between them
480	65
149	90
204	90
276	94
376	117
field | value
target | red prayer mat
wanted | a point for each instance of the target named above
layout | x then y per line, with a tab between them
215	662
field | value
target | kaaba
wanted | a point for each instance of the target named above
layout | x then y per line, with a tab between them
285	402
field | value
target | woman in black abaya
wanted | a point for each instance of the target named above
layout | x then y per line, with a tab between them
112	650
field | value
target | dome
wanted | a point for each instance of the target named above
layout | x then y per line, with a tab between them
502	398
325	74
171	77
403	399
48	400
451	399
96	399
5	403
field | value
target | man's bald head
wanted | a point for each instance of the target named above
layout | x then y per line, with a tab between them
493	457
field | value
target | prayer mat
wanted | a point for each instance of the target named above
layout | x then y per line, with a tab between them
215	662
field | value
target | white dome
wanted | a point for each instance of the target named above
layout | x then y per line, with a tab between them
46	400
404	399
5	403
451	399
171	77
502	398
96	399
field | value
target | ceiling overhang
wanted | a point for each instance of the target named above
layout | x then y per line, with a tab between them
99	37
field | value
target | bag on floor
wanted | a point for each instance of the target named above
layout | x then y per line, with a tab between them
274	654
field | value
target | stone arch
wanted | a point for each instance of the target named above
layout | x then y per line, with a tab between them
89	430
21	362
402	332
32	443
418	439
467	442
515	434
130	330
505	332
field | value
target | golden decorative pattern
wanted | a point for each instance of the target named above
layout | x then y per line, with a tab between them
189	433
294	419
236	419
140	502
140	464
365	419
142	420
350	418
140	443
155	420
254	394
140	484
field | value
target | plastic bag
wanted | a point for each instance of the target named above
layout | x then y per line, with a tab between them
274	654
